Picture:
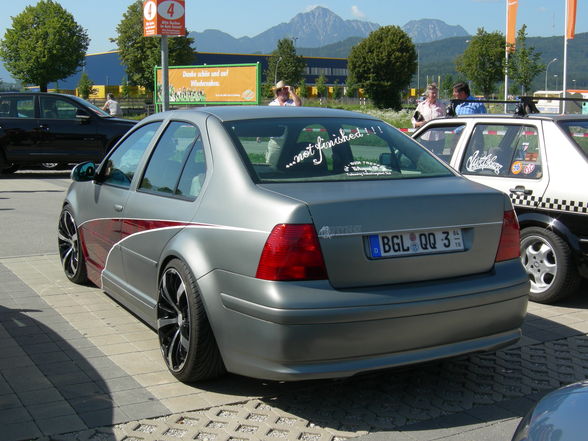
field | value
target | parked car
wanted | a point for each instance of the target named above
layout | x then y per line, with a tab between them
294	243
52	129
560	415
541	162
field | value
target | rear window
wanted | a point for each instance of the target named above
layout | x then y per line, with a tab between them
330	149
578	131
441	139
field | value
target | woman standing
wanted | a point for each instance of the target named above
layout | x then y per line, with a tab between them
427	110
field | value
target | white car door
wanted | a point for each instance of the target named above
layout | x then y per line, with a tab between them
508	157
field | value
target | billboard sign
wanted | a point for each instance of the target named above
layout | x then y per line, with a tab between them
164	17
212	84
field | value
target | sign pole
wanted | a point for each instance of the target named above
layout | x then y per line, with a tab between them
164	73
163	18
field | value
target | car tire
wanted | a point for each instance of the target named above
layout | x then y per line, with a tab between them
8	169
548	261
70	251
186	339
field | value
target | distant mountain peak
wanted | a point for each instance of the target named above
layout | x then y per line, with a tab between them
316	28
431	29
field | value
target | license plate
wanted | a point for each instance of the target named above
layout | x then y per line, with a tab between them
409	243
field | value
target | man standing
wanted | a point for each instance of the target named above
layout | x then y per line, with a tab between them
469	104
285	96
112	106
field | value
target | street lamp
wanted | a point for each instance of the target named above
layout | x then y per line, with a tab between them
276	72
546	69
555	76
418	70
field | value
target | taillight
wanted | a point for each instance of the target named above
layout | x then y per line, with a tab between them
509	246
292	252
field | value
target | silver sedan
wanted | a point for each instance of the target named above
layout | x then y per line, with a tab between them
294	243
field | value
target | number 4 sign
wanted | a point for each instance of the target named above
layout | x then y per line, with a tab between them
164	17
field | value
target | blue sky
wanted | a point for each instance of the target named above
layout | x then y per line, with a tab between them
543	18
237	18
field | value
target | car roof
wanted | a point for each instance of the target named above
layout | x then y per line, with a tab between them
232	113
532	116
37	93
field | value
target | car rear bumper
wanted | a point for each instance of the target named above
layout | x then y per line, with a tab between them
299	331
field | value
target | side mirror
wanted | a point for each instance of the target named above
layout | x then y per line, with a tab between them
83	172
82	116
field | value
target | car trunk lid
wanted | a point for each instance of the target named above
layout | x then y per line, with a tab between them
352	217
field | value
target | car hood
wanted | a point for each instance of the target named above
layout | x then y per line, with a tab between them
120	121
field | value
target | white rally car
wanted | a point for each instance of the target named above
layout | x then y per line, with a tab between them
541	161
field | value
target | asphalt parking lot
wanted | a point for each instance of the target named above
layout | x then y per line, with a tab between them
74	365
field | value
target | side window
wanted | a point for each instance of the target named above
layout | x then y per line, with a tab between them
503	150
121	165
57	108
17	107
177	165
25	108
441	140
5	107
578	132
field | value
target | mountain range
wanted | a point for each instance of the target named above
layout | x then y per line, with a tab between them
318	27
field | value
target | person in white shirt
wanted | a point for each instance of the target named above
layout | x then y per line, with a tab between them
112	106
427	110
285	96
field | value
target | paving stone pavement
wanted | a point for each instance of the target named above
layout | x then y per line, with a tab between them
75	365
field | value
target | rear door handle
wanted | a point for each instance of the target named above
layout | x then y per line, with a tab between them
520	189
118	207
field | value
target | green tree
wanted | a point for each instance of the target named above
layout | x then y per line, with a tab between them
303	92
284	64
482	63
44	44
447	86
321	87
85	86
267	90
351	87
337	90
125	88
523	64
141	54
383	65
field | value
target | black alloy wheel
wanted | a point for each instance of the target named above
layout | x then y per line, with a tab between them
185	336
70	253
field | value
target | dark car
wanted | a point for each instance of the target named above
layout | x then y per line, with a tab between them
52	128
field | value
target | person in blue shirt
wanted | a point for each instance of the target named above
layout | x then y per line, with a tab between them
461	91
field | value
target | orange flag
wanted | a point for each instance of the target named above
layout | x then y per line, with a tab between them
571	19
511	22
